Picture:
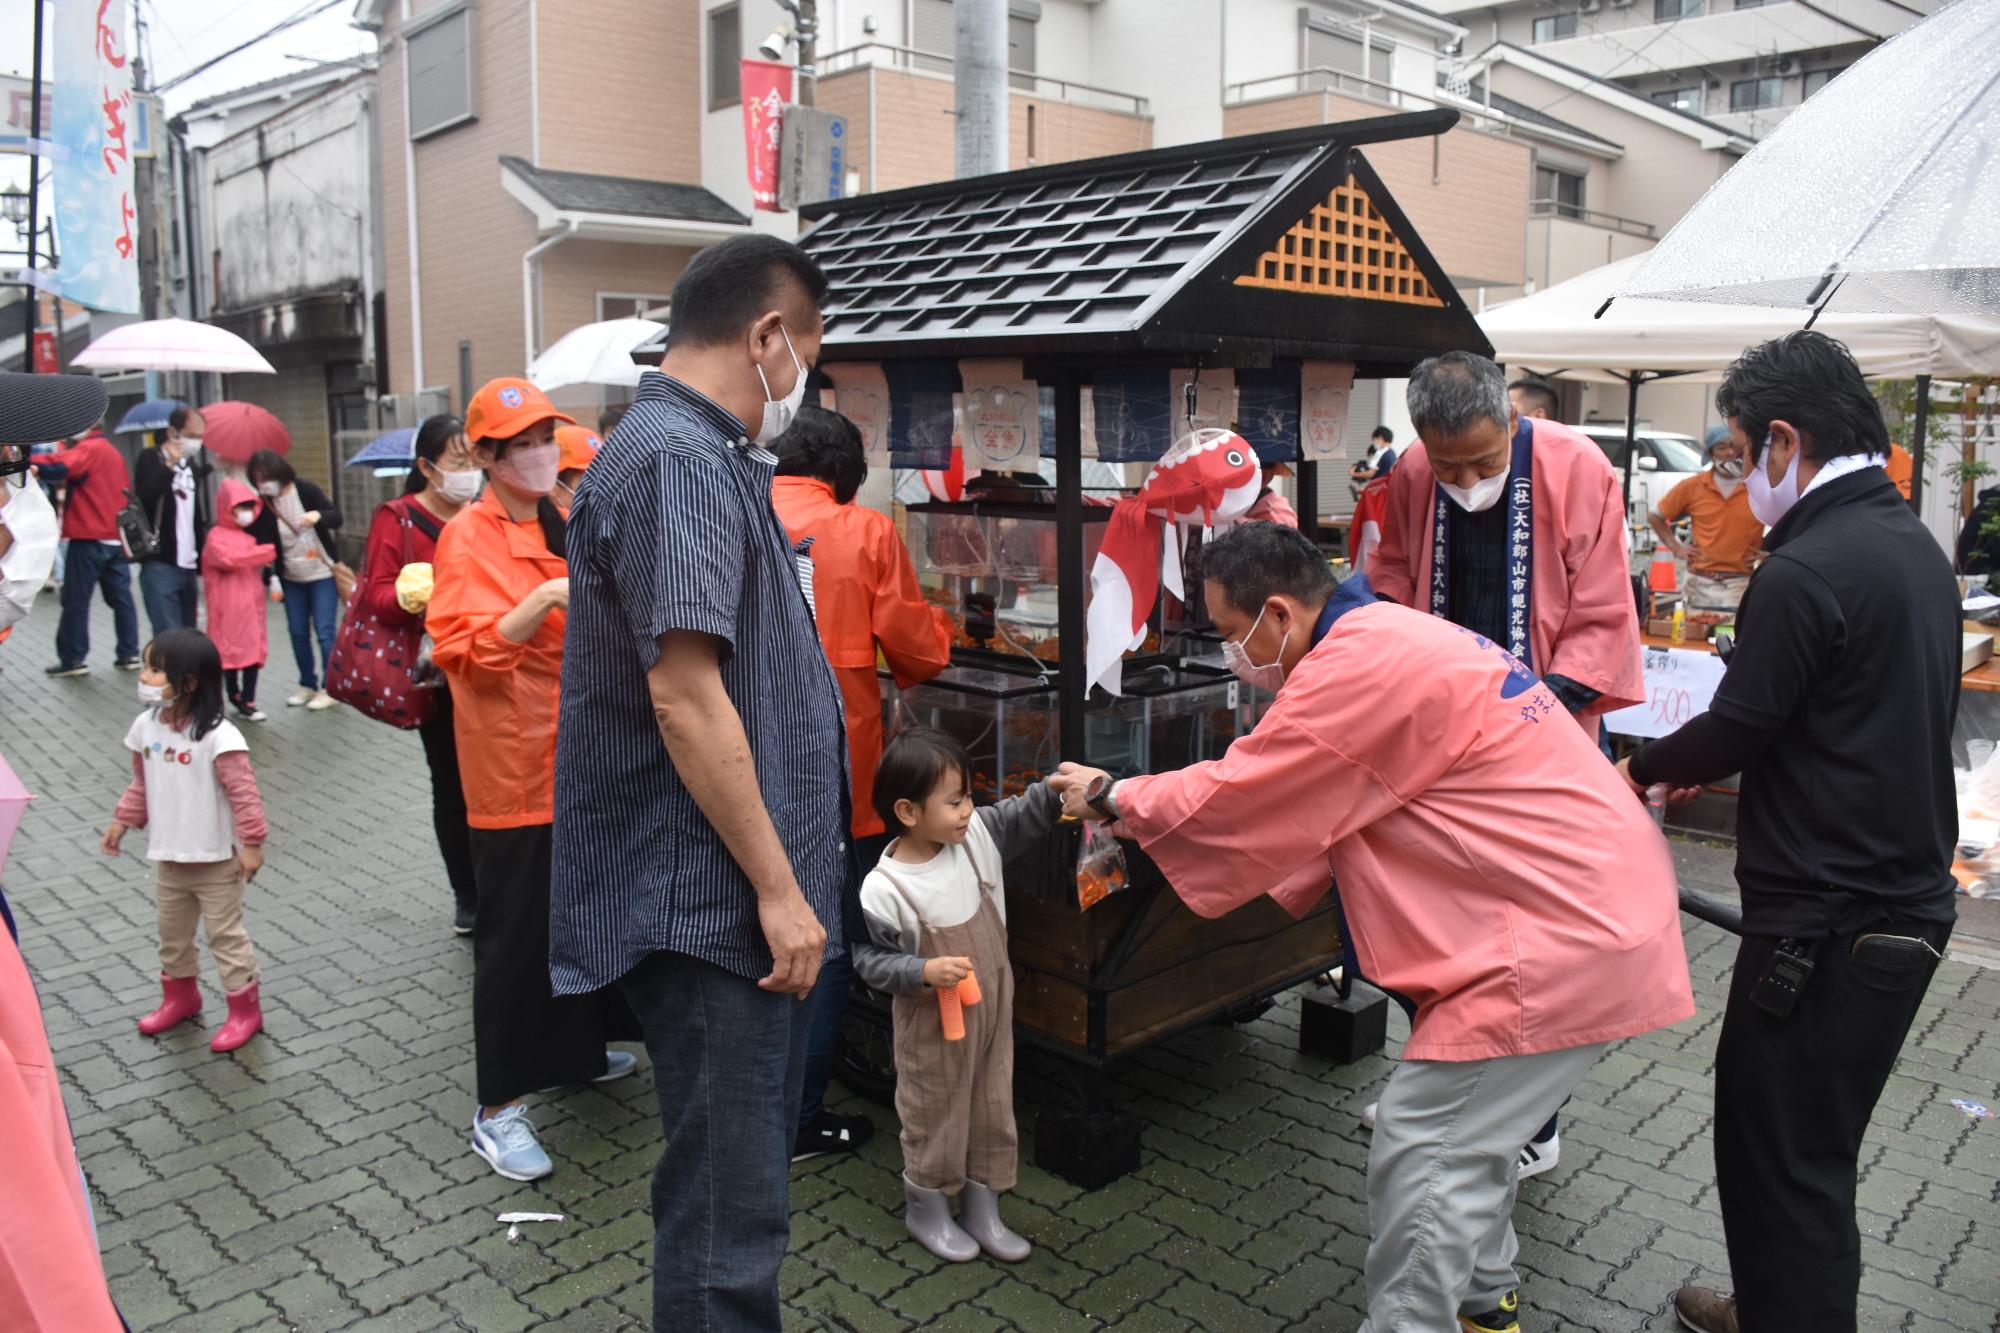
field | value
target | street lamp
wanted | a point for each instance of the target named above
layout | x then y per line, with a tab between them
14	206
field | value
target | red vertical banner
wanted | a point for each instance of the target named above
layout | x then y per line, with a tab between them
45	350
767	87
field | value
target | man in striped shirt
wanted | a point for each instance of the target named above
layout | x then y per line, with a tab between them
701	856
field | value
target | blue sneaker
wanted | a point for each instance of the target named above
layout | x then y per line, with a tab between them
506	1139
617	1064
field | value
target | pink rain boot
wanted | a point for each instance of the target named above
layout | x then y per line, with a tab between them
180	999
246	1020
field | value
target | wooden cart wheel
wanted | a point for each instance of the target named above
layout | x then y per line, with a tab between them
866	1060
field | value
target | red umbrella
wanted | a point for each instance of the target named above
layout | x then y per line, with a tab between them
238	430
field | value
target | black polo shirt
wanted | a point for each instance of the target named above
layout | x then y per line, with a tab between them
1848	654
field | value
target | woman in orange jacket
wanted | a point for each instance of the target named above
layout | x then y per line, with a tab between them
496	619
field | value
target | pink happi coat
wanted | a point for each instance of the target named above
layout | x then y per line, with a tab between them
1494	869
1584	624
231	577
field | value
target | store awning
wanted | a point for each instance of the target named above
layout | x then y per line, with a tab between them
1231	252
620	208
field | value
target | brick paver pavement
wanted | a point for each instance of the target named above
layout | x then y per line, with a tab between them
320	1178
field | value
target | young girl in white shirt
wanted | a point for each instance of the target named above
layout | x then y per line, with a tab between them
936	911
193	792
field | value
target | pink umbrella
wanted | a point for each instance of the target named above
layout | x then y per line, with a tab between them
238	430
14	800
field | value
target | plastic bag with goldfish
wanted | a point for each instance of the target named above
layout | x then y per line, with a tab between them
1100	865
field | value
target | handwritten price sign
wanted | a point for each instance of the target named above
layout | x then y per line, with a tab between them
1680	682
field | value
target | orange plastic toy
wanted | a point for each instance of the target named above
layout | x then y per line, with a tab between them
968	989
951	1014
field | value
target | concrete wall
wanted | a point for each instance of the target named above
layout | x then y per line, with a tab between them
286	203
1466	192
1562	248
621	87
1178	64
908	138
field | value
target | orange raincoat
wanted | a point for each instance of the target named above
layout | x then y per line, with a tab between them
503	694
865	596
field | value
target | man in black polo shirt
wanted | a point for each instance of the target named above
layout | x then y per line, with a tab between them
1837	709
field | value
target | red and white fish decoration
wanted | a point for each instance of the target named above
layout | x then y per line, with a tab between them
1209	479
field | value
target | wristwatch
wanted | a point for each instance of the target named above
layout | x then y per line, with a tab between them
1098	796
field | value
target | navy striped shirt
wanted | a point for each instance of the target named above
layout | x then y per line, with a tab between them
673	530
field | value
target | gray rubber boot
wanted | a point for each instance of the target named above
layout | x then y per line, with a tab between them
927	1213
979	1215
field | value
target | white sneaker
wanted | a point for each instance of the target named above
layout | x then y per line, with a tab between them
1368	1114
321	702
301	698
507	1141
1539	1157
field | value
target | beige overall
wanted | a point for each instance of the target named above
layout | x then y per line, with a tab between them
956	1098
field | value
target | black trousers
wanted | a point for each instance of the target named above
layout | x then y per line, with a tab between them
1793	1097
524	1039
448	801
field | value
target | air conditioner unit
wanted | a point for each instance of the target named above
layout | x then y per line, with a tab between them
1590	6
1785	66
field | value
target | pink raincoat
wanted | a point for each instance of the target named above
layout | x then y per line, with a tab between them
1585	625
50	1275
231	578
1494	869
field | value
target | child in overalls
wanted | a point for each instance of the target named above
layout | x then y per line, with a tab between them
936	912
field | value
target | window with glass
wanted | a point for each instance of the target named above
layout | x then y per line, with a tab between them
1754	4
725	50
1666	11
438	69
1680	99
1817	79
1755	94
1559	191
1554	27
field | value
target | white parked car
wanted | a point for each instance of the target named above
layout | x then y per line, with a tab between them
1665	460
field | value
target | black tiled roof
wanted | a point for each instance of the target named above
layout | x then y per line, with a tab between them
584	193
1136	254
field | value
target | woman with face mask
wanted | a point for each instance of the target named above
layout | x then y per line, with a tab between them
395	588
301	522
496	616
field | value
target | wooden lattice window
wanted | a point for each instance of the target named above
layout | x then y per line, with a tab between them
1344	247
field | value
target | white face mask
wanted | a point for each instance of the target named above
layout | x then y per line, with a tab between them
152	695
190	445
1480	496
245	517
1730	471
458	487
1771	503
779	413
1267	677
531	469
270	490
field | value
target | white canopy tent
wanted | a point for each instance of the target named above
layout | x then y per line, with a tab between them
1557	331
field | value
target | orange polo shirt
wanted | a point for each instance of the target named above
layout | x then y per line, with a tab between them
1726	533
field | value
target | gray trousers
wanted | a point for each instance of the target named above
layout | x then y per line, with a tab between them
1442	1171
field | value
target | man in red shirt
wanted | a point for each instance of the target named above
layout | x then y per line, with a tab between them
95	474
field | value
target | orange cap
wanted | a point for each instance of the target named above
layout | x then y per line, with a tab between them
579	445
504	408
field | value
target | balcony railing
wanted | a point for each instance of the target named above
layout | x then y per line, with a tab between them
1556	208
1322	79
884	56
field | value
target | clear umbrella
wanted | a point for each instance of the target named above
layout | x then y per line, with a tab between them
598	353
1879	194
173	344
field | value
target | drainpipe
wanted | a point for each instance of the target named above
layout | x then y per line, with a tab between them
536	251
410	205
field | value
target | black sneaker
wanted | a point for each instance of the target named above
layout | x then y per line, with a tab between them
461	921
832	1133
1505	1319
129	663
67	669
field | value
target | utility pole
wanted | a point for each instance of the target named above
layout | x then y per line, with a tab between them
979	77
31	308
805	31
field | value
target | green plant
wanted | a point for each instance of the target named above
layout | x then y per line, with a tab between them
1968	471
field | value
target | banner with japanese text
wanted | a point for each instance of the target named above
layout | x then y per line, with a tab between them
767	87
96	217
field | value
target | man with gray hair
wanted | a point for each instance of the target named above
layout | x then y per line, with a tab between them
1514	528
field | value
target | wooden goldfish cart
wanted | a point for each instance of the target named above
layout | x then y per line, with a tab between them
1278	258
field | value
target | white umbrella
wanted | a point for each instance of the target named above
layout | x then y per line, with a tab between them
1877	195
598	353
173	344
1556	331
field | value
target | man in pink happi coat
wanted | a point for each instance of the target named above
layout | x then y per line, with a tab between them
1513	527
1497	876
